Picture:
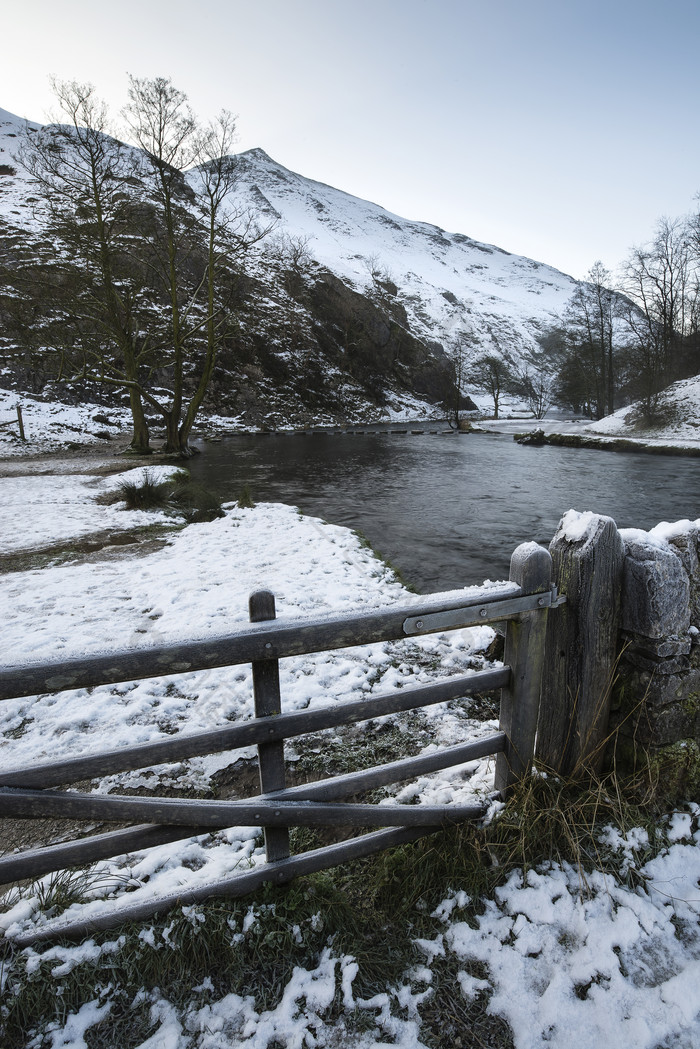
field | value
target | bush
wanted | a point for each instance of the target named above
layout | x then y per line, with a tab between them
245	499
146	494
195	502
176	493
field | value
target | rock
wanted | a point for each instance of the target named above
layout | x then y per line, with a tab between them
536	437
655	590
687	544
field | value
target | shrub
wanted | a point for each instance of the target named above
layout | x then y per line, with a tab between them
245	499
146	494
195	502
177	493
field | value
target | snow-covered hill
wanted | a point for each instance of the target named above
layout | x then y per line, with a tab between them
450	285
350	312
677	417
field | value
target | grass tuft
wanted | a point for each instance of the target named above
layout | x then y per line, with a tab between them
177	493
146	494
245	499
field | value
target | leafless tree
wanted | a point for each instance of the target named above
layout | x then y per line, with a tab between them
538	385
493	374
85	177
152	243
661	282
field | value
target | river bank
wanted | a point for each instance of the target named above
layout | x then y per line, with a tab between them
611	956
84	432
607	444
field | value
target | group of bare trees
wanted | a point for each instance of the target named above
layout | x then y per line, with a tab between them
619	340
626	340
136	285
491	372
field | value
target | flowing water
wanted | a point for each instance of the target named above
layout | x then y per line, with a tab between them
446	509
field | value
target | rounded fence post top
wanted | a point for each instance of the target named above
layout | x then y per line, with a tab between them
531	567
261	605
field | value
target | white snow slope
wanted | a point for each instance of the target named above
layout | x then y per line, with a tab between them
678	417
451	286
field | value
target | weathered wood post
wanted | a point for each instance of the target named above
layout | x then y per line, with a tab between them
20	422
266	688
531	569
582	642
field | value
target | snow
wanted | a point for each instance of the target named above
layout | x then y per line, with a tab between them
678	413
575	526
570	953
53	510
562	954
51	424
441	277
83	607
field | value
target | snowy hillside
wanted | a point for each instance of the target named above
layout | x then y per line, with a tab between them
677	416
346	312
451	286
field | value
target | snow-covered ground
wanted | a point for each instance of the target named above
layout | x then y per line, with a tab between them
678	412
677	426
565	955
198	586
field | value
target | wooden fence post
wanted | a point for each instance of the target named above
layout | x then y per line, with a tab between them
582	642
20	422
266	688
531	569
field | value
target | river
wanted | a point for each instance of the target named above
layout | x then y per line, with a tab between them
447	509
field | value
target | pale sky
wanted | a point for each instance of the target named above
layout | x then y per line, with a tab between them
557	129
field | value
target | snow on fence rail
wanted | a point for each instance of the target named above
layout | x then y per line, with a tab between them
27	793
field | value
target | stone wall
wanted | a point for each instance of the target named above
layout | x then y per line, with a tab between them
656	700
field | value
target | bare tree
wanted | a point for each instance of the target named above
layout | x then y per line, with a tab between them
197	240
150	247
538	386
85	177
492	373
662	313
460	355
589	332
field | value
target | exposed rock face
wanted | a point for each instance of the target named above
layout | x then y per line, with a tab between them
376	345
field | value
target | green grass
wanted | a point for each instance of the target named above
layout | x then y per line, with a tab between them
245	499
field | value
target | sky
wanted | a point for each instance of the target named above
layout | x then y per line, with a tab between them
562	130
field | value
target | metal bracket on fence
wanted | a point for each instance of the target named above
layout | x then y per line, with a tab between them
488	612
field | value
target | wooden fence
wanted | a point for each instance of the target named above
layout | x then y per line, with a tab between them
30	792
18	422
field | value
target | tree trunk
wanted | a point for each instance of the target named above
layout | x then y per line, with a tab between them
176	436
172	433
140	442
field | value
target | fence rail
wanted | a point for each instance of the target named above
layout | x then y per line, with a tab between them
27	793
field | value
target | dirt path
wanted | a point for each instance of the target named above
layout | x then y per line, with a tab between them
88	459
